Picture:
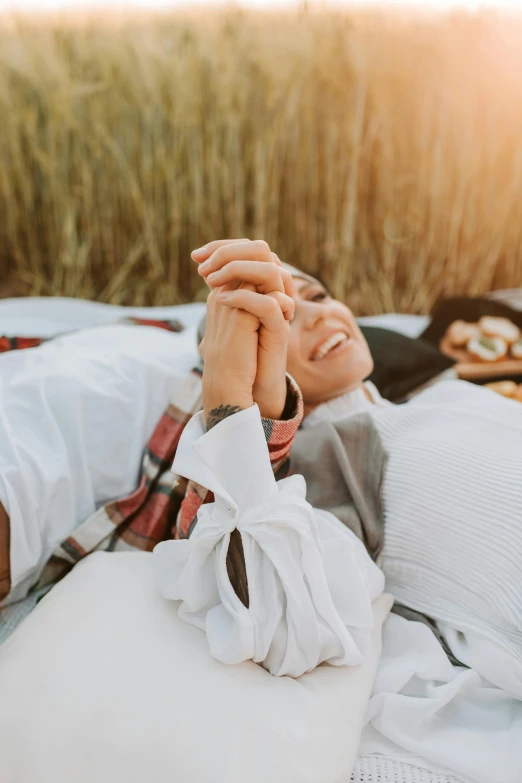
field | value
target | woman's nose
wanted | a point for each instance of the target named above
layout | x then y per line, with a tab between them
314	313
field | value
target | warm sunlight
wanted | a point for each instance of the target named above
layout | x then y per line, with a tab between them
471	5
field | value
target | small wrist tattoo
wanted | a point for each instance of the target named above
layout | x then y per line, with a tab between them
222	412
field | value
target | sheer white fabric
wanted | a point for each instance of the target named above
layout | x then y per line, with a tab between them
311	582
448	716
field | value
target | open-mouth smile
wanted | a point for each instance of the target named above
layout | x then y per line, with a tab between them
333	345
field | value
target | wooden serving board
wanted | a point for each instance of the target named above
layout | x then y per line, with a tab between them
475	371
468	370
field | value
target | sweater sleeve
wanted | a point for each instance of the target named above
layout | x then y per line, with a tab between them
280	433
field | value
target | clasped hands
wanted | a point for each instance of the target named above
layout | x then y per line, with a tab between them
249	310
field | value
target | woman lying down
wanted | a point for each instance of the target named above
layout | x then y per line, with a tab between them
276	570
450	487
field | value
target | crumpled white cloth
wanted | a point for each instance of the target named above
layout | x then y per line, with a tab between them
430	713
311	582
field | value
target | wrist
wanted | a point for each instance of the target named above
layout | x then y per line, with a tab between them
271	402
219	404
271	410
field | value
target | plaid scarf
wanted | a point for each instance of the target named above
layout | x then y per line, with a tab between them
164	505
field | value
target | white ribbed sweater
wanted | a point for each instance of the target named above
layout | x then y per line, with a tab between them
453	508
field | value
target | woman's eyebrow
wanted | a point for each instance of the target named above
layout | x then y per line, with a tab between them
306	284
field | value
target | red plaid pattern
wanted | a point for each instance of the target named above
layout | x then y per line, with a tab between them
172	325
19	343
164	505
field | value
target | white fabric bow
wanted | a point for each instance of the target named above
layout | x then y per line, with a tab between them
310	587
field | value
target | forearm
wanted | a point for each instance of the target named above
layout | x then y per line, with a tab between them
279	432
224	392
216	412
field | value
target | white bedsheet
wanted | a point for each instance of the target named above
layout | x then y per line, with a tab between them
42	316
440	716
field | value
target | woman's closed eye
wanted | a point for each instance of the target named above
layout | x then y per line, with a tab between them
310	291
318	296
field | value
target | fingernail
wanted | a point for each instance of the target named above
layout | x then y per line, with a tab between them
213	276
200	251
204	267
224	295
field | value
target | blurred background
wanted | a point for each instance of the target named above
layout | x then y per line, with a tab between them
379	147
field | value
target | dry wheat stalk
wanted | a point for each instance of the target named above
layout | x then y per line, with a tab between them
383	152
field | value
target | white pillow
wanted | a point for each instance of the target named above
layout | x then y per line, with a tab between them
103	683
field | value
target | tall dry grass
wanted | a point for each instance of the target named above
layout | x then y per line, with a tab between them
382	151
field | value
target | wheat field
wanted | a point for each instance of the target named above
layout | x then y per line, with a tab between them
382	151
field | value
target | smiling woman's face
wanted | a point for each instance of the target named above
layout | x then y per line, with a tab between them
327	352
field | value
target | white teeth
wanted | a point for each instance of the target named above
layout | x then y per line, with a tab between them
327	346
